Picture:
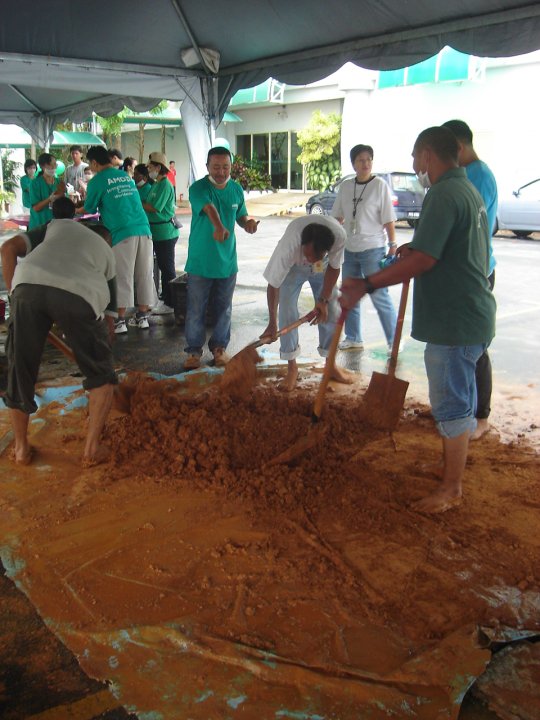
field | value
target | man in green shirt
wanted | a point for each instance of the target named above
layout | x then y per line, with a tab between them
113	192
217	203
453	307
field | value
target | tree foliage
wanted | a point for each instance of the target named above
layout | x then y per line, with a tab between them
249	176
320	142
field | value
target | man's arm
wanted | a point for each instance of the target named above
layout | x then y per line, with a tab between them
248	223
412	264
390	228
12	249
330	279
220	231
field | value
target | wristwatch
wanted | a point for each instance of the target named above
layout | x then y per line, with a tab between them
369	287
323	300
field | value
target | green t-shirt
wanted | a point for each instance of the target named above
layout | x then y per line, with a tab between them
206	256
144	190
115	194
40	190
452	302
25	190
161	196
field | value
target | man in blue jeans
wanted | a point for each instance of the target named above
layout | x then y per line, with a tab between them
454	308
217	203
311	250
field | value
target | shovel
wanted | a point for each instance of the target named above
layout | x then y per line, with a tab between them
385	396
240	372
316	435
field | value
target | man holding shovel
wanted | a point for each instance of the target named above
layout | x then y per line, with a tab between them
68	276
311	250
454	309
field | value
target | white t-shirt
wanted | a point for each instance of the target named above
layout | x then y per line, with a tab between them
73	258
288	251
74	173
373	211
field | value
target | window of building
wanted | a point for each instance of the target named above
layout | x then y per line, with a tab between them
276	154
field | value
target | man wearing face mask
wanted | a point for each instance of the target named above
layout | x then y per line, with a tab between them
217	204
454	308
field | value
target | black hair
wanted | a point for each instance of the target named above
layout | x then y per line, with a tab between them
357	149
128	162
172	162
114	152
28	163
99	154
318	235
460	129
441	140
63	208
141	169
75	147
220	150
45	159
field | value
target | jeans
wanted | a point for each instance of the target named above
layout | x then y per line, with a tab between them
198	293
164	252
452	386
484	383
359	265
289	293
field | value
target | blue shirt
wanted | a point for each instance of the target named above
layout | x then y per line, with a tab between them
484	181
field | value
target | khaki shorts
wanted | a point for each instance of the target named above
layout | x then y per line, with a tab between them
135	263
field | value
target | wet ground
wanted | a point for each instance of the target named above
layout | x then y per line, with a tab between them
61	686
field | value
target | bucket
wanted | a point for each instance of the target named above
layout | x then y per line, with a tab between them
179	300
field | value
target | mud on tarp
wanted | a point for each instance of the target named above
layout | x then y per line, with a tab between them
131	571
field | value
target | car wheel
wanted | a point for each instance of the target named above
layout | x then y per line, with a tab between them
316	209
522	234
496	228
412	223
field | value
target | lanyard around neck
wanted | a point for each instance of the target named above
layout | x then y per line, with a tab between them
357	200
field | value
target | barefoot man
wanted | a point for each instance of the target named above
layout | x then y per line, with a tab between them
68	276
311	250
453	308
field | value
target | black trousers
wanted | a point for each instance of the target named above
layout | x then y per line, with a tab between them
164	252
484	383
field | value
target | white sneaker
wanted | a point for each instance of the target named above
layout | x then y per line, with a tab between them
139	321
120	327
162	309
350	345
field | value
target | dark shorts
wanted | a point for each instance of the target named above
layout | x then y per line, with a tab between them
34	309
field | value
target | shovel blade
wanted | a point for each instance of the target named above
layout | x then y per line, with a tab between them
384	400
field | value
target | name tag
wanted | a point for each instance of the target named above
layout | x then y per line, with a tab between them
318	267
234	206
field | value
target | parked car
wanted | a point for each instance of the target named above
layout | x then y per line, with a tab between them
520	211
407	196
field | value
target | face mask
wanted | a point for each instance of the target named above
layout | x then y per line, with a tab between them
423	179
31	172
49	172
141	183
153	175
216	183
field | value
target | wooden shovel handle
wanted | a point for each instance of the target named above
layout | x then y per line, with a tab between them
267	339
61	345
392	363
328	368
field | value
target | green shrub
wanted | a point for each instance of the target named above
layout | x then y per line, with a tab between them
249	177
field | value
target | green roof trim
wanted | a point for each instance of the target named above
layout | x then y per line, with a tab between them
447	66
169	118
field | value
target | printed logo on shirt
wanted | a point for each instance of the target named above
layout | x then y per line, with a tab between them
234	206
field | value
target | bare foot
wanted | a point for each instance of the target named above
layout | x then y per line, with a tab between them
289	383
101	455
340	376
482	427
23	456
438	502
432	468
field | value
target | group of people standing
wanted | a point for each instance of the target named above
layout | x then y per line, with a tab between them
450	258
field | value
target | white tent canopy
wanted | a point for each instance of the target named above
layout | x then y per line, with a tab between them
61	60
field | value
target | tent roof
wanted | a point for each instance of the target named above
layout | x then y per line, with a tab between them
63	58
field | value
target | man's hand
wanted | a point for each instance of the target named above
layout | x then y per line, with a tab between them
352	290
321	306
61	188
403	251
270	331
392	250
250	226
221	234
80	210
